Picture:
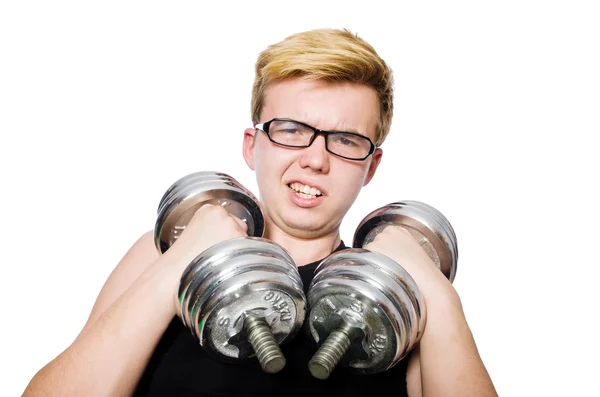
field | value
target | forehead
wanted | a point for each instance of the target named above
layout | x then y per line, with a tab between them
343	106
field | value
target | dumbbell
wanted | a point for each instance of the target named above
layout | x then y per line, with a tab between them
184	197
242	297
366	312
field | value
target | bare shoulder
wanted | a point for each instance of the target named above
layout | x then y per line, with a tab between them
136	260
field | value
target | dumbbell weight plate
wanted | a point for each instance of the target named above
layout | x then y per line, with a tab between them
189	193
211	268
190	179
425	223
221	330
372	297
442	221
236	278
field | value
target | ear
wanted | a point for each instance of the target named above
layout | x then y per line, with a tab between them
375	160
248	147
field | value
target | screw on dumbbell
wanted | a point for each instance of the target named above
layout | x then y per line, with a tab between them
242	297
362	304
366	312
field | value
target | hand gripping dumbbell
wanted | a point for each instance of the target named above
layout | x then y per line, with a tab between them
366	312
242	297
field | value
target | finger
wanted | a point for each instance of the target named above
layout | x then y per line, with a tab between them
205	208
241	224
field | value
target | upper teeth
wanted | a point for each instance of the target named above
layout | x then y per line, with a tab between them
299	187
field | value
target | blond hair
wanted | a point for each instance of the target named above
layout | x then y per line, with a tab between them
331	55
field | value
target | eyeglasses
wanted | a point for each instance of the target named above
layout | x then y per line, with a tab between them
291	133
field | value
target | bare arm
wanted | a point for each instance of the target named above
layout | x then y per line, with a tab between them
450	364
446	361
137	259
132	311
128	319
413	374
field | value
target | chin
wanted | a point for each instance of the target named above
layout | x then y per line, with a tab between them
304	227
307	232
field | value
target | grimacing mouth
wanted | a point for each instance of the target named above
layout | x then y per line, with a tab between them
304	190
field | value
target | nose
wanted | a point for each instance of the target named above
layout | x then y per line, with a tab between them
316	156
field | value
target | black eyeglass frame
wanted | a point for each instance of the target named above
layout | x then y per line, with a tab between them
264	127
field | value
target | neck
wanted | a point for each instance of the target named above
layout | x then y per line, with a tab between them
304	250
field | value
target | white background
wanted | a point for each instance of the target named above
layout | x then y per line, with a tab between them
103	105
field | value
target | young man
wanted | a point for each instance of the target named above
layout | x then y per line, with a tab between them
307	85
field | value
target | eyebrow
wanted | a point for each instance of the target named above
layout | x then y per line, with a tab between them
349	129
352	130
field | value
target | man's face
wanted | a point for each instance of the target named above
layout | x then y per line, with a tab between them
282	171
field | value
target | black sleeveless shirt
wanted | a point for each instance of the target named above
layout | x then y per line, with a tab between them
180	367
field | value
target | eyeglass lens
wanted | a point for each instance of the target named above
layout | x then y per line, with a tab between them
295	134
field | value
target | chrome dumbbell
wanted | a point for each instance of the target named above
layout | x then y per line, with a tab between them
188	194
242	297
366	312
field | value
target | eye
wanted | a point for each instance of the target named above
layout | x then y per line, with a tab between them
346	140
288	130
284	127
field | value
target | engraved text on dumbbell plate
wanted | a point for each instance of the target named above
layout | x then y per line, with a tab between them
226	327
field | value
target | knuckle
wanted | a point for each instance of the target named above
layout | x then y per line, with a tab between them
203	209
